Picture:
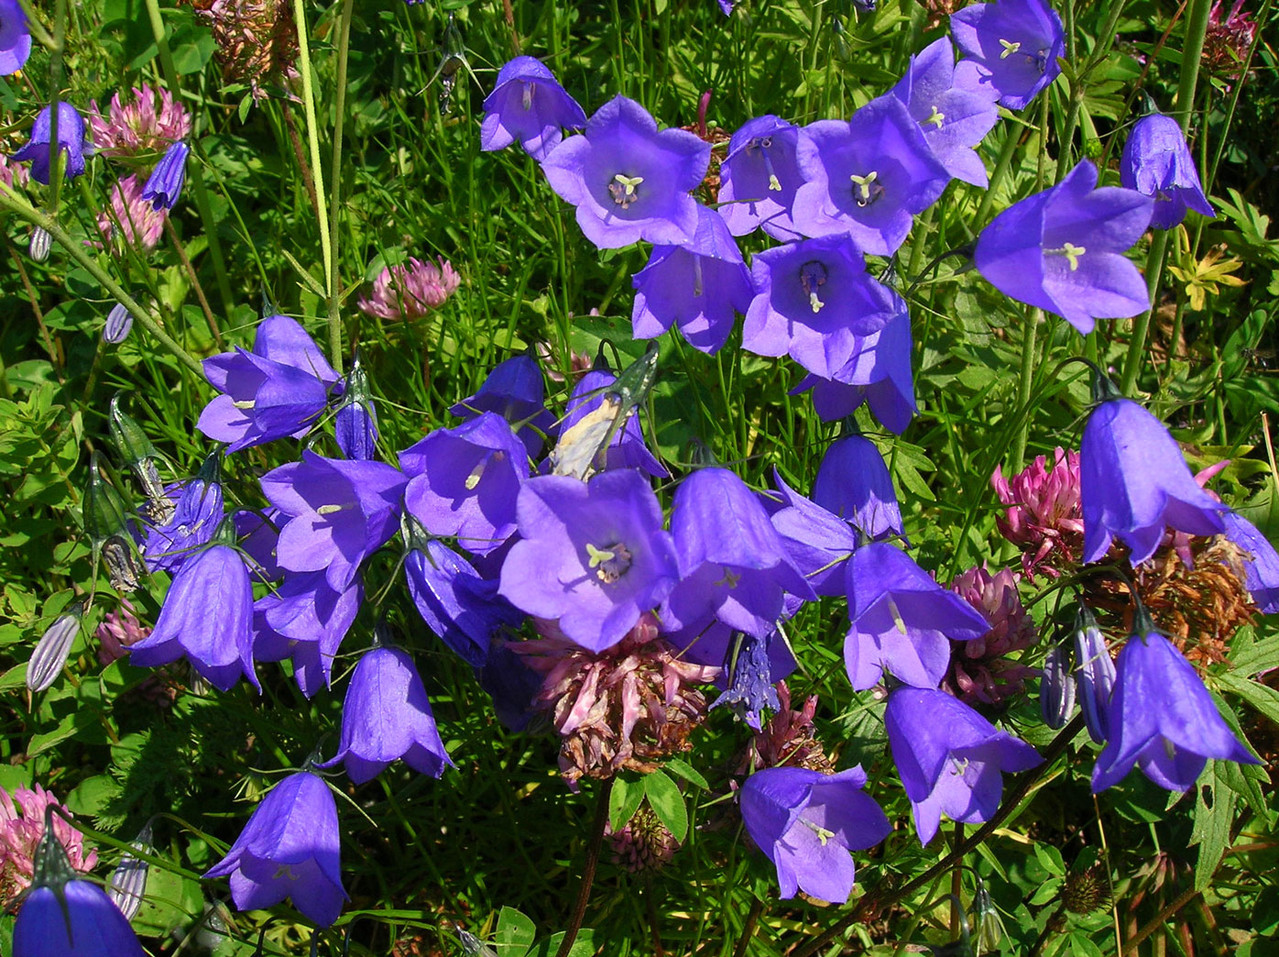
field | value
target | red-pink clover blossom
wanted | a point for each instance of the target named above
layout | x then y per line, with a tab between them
758	178
528	104
1015	42
1156	162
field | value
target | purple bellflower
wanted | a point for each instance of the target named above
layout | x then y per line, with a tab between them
853	482
1094	675
208	616
386	716
305	620
591	554
355	422
15	37
808	823
165	182
1056	688
334	513
1161	717
528	104
76	920
195	518
71	139
952	108
750	668
814	300
1016	43
758	178
951	759
515	391
733	563
902	619
628	181
1134	481
1156	162
463	481
1062	250
278	389
867	177
818	540
289	848
1261	569
626	449
698	286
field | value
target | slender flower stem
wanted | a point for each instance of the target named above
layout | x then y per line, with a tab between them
588	870
195	283
313	137
335	183
1006	152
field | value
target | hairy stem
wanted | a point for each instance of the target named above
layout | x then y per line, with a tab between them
588	870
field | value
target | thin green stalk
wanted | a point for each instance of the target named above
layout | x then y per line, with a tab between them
1141	324
1006	153
1030	333
313	138
335	183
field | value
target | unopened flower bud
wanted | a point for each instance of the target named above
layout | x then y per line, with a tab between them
355	424
51	651
129	879
119	322
41	243
1056	689
105	513
1094	673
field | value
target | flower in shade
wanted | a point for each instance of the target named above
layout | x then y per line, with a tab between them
758	178
22	819
71	140
644	844
1056	688
137	127
1161	717
815	301
809	823
628	181
751	669
1229	37
953	108
305	620
355	422
1094	674
698	286
951	759
591	554
15	37
1062	250
207	616
1156	162
334	513
1260	564
902	620
1134	482
1043	515
528	104
165	182
290	848
278	389
1016	43
411	289
386	716
981	669
866	177
515	391
73	918
853	482
132	221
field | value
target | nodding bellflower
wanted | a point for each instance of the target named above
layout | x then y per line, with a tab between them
628	181
1062	250
164	185
515	391
951	759
809	823
71	140
195	518
15	37
854	483
1134	482
1261	566
305	620
1156	162
528	104
758	178
290	848
818	540
626	449
1015	42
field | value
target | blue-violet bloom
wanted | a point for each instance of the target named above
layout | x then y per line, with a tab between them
164	185
758	178
515	391
1094	674
853	482
76	919
305	620
626	449
528	104
1016	43
15	37
1156	162
819	541
1261	566
71	138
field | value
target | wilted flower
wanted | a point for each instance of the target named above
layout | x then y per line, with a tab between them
1228	39
1062	249
758	178
981	669
290	848
51	651
165	182
809	824
15	37
528	104
411	289
132	219
1156	162
1043	515
71	140
853	482
22	820
644	844
1016	43
257	39
789	738
138	129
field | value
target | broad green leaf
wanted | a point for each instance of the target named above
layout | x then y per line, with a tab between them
515	933
668	803
624	801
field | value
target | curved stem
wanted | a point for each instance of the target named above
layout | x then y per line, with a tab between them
588	870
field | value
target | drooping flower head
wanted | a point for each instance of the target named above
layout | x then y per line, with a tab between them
132	220
22	820
1062	250
853	482
809	823
985	669
1261	561
355	422
164	185
867	177
819	541
951	759
528	104
516	392
15	37
305	620
191	525
629	181
290	848
410	290
71	140
138	128
1016	43
758	178
1156	162
1043	514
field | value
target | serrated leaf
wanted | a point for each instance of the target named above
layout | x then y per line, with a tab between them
1255	657
668	803
515	933
624	801
1214	812
1262	697
689	773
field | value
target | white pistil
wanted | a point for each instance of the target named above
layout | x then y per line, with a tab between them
867	190
897	615
1071	252
697	275
244	404
527	95
1009	48
936	118
730	578
328	509
822	833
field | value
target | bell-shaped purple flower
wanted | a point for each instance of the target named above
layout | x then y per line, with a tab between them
698	286
1156	162
818	541
333	513
290	848
208	616
952	108
1162	718
591	554
1016	43
386	716
76	920
196	517
814	300
626	449
628	181
1261	566
15	37
867	177
758	178
853	482
515	391
305	620
1056	688
1134	481
902	619
71	139
951	759
463	481
733	563
355	422
808	823
528	104
750	668
278	389
1094	675
1062	250
164	185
